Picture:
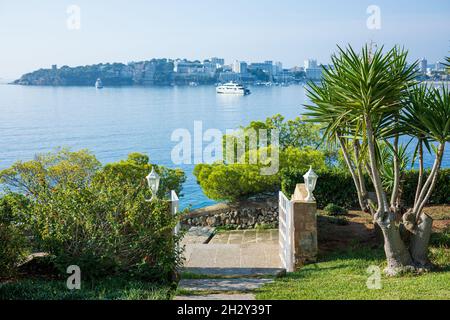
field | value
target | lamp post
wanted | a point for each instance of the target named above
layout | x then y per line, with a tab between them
310	183
153	183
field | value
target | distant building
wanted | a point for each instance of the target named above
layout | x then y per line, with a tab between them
210	67
314	74
277	68
310	64
423	66
188	67
218	61
439	66
312	70
240	67
266	66
297	69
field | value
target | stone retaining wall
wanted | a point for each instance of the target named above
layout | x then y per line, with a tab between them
245	215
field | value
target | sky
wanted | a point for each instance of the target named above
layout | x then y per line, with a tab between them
34	34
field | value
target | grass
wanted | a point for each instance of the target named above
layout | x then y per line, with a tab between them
343	276
107	289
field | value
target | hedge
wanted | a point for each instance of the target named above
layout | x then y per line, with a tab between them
337	187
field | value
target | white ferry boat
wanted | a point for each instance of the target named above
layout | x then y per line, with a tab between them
99	84
232	88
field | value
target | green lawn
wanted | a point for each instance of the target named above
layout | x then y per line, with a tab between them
341	276
107	289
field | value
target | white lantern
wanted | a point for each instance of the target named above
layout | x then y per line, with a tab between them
153	182
310	183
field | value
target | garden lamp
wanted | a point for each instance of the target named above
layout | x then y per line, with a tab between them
310	183
153	182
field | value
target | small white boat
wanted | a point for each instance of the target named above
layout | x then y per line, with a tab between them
232	88
99	84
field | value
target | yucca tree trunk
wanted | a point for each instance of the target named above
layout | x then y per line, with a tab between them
416	221
420	241
397	254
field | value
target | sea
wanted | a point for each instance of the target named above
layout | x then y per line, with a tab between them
113	122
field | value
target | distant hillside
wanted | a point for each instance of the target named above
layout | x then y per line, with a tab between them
154	72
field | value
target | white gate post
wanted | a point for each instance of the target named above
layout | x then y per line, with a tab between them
174	207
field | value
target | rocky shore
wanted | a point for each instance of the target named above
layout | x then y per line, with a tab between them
244	215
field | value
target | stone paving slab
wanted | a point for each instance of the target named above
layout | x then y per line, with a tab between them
222	284
232	256
239	259
246	237
224	297
237	272
198	235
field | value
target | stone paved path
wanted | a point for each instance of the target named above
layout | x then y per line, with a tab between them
233	264
227	285
198	235
241	297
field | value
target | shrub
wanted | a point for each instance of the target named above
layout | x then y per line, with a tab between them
14	246
339	221
441	238
234	182
336	186
98	218
335	210
332	187
441	193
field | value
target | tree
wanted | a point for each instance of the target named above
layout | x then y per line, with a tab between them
368	100
92	216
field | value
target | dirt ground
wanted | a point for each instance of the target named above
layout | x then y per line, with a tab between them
357	228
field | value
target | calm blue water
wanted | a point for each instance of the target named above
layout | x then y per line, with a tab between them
116	121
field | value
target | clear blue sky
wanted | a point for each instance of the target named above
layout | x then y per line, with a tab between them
33	34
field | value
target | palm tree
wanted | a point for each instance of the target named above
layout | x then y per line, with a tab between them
426	117
365	101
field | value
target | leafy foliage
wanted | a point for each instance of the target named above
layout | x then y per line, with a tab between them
234	182
336	186
333	186
14	247
97	217
297	133
335	210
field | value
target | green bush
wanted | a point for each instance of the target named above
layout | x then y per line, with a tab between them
441	193
441	238
14	246
234	182
336	186
98	218
332	187
339	221
335	210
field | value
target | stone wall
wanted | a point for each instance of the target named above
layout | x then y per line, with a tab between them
245	215
305	228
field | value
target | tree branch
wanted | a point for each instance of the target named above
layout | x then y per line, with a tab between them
431	181
381	195
420	179
351	167
395	189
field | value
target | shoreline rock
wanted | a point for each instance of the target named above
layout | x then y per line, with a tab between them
243	215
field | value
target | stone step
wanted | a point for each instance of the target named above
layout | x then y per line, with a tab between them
223	297
222	285
231	273
198	235
232	256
